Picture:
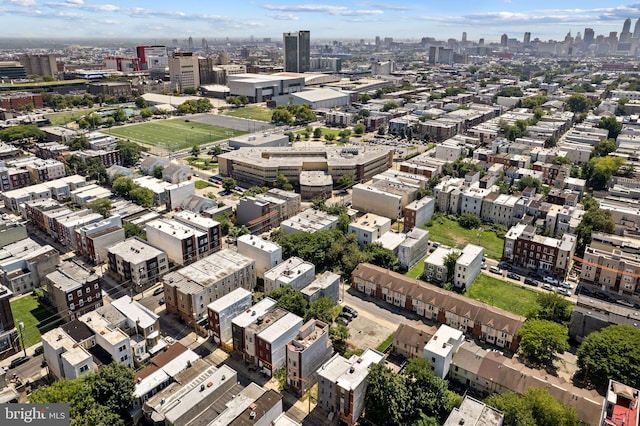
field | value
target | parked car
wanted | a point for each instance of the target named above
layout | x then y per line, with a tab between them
350	310
158	291
170	340
514	276
529	281
161	301
18	361
346	315
549	279
342	320
564	291
547	286
495	270
39	350
566	285
483	266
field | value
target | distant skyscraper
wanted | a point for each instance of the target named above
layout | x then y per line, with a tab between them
504	40
625	35
205	44
464	37
190	44
184	71
527	38
297	51
378	38
636	29
589	36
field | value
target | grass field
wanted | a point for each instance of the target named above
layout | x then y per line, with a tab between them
502	295
64	117
450	233
37	320
252	113
417	269
173	134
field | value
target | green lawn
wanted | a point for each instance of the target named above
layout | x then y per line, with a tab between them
173	134
450	233
418	269
64	117
252	113
37	320
503	295
201	184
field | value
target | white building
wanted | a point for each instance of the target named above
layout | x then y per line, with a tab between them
369	228
468	266
113	340
65	358
182	243
413	248
326	285
370	199
434	267
307	351
293	272
222	311
440	349
267	254
309	220
273	341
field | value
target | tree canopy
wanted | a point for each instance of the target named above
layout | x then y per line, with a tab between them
100	206
579	103
599	171
612	125
594	220
469	220
552	307
22	131
541	340
129	152
611	353
290	299
192	106
535	408
282	182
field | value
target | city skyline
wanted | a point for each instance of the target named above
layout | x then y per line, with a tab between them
402	20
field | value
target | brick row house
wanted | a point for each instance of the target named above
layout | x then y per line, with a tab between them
484	322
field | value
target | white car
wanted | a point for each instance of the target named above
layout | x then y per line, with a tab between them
547	286
170	340
564	291
566	285
550	280
495	270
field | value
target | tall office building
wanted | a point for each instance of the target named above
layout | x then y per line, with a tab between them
40	64
504	40
184	71
464	37
190	44
625	35
636	29
297	50
589	36
527	38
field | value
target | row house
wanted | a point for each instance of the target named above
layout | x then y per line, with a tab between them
221	312
190	289
525	249
503	209
305	353
423	165
552	172
25	263
9	341
418	212
14	178
612	268
486	372
48	150
411	337
93	240
58	189
182	243
438	130
267	254
510	160
41	170
338	118
73	290
484	322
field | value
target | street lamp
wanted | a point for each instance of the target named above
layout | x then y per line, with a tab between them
21	331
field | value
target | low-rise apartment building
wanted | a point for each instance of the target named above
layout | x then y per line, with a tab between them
418	212
468	266
413	248
9	342
267	254
326	285
309	220
65	357
73	290
243	320
271	343
222	311
25	263
440	349
137	262
369	228
305	353
293	272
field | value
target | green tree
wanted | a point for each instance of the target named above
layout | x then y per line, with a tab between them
280	115
133	230
389	106
195	151
359	129
579	103
552	307
469	220
96	171
541	340
76	165
129	152
535	408
146	113
529	181
364	98
381	131
290	299
157	172
100	205
122	186
449	262
594	220
282	182
229	184
380	256
559	161
120	115
329	137
141	196
78	143
339	334
321	309
343	222
141	102
599	170
534	101
386	398
20	132
604	148
317	133
611	353
112	386
612	125
65	391
345	181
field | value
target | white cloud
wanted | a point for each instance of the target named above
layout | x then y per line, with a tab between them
22	2
75	2
322	8
283	16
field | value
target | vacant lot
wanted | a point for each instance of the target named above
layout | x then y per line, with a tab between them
173	134
503	295
64	117
252	113
36	319
450	233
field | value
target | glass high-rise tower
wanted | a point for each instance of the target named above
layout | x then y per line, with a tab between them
297	50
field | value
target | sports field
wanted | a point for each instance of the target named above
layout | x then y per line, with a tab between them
173	134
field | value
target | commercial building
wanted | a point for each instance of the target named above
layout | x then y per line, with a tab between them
259	140
184	71
486	323
267	254
305	353
40	64
137	262
297	51
222	311
189	290
264	87
369	228
293	272
261	166
73	290
342	384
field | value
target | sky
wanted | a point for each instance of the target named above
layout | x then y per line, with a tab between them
328	19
